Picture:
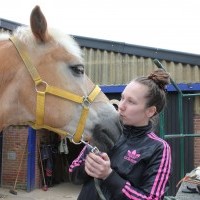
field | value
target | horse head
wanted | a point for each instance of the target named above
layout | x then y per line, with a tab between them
43	83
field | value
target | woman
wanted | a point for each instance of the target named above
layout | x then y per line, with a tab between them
138	167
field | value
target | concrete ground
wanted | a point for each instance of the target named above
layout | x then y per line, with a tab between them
63	191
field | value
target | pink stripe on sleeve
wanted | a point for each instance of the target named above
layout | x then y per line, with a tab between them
165	163
77	161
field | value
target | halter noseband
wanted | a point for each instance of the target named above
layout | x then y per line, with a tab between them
39	123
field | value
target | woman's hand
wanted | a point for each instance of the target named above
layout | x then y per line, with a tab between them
98	166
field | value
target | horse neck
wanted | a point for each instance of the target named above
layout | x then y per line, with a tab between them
9	68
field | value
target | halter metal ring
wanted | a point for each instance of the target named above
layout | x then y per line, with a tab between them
41	87
76	143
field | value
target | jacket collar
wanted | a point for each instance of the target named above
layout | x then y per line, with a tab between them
136	131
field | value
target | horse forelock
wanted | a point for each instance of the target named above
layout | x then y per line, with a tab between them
25	35
67	42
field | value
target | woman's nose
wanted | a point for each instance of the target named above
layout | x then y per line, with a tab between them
121	105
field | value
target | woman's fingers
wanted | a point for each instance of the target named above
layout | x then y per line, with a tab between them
98	166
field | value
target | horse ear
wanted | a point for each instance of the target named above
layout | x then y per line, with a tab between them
39	24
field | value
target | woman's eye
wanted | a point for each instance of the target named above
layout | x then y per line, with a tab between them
131	102
77	69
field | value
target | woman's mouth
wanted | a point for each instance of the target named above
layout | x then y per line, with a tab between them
122	116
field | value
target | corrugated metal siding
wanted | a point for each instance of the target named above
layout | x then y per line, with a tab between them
197	105
111	68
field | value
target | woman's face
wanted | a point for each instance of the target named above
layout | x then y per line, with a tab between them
132	106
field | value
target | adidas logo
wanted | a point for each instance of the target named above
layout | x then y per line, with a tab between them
132	156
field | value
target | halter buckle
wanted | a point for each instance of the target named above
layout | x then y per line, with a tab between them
93	149
86	102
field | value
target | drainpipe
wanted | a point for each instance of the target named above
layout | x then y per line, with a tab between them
31	159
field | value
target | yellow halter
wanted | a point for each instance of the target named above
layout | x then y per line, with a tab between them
39	123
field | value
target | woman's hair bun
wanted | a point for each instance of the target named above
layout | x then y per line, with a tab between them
160	77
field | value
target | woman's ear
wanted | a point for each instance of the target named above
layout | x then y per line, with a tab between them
151	111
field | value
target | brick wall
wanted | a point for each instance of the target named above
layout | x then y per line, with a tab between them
197	141
14	144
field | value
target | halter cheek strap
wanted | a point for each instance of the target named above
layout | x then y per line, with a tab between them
47	89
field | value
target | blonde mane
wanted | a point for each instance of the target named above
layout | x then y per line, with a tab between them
25	34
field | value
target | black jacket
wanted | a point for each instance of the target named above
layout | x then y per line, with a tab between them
141	163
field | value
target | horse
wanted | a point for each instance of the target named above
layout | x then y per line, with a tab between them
43	84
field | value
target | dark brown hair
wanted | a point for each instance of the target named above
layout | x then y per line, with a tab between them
156	82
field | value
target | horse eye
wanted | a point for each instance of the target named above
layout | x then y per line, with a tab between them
78	69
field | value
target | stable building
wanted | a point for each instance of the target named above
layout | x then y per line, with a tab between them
112	65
